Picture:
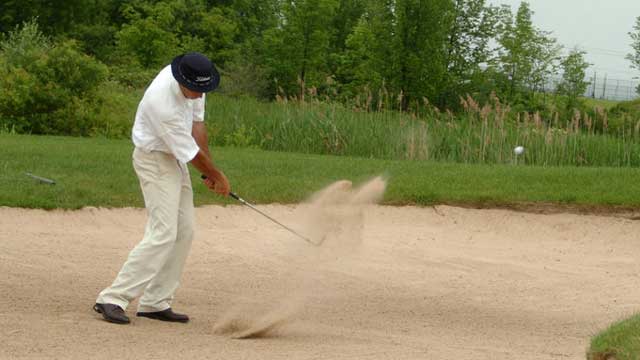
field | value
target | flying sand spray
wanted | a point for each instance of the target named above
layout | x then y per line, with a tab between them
334	214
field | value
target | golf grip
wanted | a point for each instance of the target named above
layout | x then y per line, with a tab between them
231	193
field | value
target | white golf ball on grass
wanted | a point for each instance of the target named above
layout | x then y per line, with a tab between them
518	150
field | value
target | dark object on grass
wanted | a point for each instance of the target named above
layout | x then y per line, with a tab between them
41	179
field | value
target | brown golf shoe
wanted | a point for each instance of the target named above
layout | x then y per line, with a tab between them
165	315
111	313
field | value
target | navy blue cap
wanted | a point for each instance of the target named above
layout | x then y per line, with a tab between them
195	72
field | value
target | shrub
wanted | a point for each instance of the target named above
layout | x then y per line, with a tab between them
115	110
46	88
241	77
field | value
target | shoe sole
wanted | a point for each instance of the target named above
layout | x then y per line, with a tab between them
113	321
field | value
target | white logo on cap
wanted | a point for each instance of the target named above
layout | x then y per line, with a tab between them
203	78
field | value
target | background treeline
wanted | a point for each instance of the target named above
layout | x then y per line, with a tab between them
78	67
398	52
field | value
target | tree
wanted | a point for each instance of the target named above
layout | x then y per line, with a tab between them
210	30
399	45
245	72
253	18
369	55
347	17
635	44
528	56
54	17
471	29
573	83
148	37
297	47
420	43
546	61
155	32
92	22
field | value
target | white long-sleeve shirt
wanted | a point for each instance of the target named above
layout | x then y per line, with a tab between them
165	118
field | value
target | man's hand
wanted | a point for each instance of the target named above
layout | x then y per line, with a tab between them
221	186
218	181
208	182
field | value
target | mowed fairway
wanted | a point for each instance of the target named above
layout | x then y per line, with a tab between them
426	283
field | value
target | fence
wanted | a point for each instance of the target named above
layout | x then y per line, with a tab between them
603	87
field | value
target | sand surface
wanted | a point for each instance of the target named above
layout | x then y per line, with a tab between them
423	283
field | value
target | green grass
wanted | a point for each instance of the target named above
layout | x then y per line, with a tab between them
98	172
621	342
627	108
602	103
477	135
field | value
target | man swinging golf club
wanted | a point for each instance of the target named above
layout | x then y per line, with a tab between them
168	133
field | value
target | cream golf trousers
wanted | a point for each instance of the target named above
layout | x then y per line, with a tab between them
154	266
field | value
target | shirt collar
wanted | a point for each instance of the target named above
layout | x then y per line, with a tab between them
175	89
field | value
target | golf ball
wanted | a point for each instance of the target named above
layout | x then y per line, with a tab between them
518	150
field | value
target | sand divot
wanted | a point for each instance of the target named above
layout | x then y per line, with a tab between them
335	214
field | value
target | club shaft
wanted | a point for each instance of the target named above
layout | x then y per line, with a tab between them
44	180
244	202
233	195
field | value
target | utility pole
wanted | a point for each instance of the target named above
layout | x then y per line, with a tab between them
604	87
595	79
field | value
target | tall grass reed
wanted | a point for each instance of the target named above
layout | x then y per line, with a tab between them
484	134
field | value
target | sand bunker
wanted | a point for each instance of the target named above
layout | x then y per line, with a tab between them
423	283
333	217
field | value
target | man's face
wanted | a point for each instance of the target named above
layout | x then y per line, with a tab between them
190	94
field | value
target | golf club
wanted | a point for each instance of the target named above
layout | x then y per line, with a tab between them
41	179
244	202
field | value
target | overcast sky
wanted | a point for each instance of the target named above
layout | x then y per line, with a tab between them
599	27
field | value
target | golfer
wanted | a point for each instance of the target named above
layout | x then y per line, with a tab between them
168	133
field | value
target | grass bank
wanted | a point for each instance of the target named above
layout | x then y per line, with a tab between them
479	135
620	342
98	172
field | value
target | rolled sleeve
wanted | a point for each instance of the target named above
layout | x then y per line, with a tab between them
173	131
198	109
181	144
